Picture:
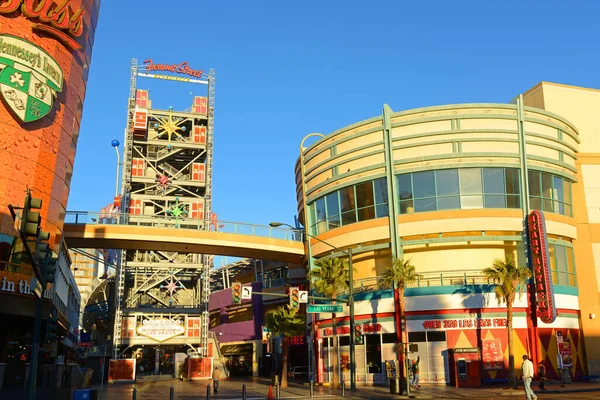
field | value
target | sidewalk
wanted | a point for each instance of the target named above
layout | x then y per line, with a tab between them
258	389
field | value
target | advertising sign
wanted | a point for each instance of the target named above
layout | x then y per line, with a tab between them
564	350
30	78
540	263
161	329
493	358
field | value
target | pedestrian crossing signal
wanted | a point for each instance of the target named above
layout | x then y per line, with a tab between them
236	292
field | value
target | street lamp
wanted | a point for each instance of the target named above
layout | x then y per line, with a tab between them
115	143
350	296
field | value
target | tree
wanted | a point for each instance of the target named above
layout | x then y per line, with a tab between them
330	278
400	273
285	321
508	279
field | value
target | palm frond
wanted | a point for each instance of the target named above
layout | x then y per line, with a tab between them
399	273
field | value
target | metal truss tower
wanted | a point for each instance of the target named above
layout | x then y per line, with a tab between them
166	182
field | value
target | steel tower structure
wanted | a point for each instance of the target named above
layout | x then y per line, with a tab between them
166	181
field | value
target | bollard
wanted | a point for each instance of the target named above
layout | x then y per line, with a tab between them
277	391
207	392
134	394
172	393
312	389
343	388
244	392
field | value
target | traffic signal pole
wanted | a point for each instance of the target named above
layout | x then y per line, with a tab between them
35	347
351	306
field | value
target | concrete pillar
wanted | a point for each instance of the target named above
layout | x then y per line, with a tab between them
59	370
2	368
27	369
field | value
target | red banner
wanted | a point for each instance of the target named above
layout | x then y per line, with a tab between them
121	370
539	258
491	350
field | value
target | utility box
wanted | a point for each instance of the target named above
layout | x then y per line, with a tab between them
465	367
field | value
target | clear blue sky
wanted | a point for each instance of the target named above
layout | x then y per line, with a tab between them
285	69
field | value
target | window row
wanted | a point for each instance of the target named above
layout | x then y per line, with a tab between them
562	265
446	189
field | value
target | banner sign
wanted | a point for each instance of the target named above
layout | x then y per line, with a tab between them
465	323
564	350
493	358
540	263
161	329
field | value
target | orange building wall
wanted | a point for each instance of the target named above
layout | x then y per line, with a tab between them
39	155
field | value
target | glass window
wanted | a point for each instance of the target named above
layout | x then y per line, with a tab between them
381	197
320	223
407	207
348	205
422	205
567	197
405	186
470	181
424	184
467	202
417	337
547	192
448	203
512	181
494	201
333	210
562	265
436	336
446	182
534	183
365	201
493	181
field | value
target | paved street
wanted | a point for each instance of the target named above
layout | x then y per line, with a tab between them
259	388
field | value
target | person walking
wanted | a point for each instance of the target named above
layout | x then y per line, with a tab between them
415	372
527	368
541	370
215	378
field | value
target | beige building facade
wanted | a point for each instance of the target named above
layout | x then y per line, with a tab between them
449	187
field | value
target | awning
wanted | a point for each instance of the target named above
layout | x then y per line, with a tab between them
234	349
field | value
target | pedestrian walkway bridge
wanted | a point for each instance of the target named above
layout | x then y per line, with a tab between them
84	229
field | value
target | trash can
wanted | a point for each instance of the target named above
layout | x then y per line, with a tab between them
395	386
85	394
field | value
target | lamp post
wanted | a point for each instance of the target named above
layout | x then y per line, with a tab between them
350	297
115	143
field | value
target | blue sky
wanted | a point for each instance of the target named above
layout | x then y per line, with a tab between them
285	69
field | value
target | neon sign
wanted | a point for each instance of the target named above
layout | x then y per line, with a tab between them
55	18
182	68
539	258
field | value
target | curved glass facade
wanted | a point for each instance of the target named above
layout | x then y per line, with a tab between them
360	202
444	189
466	188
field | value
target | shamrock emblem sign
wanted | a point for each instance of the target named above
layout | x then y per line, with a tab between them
28	84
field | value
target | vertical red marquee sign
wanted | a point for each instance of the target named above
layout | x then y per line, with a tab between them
540	262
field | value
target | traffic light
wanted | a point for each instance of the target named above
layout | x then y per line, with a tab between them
48	269
236	292
30	220
358	335
51	328
294	297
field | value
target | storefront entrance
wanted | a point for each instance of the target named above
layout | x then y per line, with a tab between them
158	360
433	352
238	358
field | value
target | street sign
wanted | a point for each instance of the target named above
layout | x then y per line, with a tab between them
303	296
246	292
325	308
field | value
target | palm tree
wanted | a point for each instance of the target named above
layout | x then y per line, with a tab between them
330	278
285	321
509	278
400	273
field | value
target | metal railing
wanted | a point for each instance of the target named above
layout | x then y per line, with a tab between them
154	221
428	279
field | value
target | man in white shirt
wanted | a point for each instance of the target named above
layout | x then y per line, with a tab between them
528	377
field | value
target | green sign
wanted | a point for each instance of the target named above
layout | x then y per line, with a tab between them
326	308
30	78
